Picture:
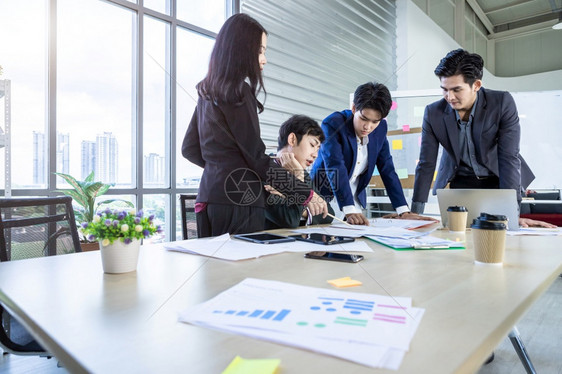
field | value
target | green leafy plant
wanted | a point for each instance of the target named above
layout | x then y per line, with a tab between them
111	225
84	193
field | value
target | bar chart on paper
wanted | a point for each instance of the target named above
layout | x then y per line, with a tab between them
257	313
313	318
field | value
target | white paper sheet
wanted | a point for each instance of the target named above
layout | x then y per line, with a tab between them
372	330
226	248
358	231
538	231
403	223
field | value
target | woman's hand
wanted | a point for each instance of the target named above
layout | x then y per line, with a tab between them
272	190
290	163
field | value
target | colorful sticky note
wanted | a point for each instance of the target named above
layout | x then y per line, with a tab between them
405	128
434	175
402	173
247	366
419	140
397	144
394	105
345	282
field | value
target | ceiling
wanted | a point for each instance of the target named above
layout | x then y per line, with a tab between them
512	17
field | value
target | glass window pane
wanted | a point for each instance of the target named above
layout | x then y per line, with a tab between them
159	205
208	14
23	60
95	94
156	103
193	51
162	6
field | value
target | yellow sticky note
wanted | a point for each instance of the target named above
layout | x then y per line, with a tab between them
434	175
247	366
344	282
397	144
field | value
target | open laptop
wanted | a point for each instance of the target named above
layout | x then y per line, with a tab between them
492	201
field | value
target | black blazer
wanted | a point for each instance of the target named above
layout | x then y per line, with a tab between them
225	140
496	133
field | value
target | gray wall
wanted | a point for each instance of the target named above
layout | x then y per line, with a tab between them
508	56
319	51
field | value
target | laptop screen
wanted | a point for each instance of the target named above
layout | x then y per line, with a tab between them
492	201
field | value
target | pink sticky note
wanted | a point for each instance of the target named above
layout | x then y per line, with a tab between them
419	140
394	105
405	128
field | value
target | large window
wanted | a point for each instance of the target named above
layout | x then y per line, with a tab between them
23	47
105	86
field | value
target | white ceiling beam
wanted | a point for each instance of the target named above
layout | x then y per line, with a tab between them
520	31
481	15
507	6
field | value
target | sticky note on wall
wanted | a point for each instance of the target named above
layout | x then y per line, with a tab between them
402	173
405	128
397	144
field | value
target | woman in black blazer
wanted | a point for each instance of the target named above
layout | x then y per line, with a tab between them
223	137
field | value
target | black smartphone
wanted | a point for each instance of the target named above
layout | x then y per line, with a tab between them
264	238
323	238
333	256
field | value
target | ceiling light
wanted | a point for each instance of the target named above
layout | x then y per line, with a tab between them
558	26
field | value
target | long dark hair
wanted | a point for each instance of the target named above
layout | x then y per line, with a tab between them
234	58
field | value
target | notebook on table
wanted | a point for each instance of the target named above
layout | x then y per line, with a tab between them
476	201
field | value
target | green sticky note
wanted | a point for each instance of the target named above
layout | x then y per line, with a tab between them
402	173
248	366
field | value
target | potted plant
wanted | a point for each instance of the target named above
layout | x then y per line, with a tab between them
119	234
84	193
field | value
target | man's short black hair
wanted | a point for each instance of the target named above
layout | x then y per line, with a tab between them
373	95
300	125
460	61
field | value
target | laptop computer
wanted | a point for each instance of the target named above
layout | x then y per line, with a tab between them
476	201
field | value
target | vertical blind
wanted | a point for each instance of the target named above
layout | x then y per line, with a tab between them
319	51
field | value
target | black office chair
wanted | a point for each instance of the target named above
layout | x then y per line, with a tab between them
33	227
188	220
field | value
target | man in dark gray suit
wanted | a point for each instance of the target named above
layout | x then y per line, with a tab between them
479	131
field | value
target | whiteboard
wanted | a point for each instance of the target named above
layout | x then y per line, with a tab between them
540	115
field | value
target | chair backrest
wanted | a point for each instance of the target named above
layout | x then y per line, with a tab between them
37	227
188	220
33	227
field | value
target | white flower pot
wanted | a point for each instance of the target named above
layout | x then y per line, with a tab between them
120	257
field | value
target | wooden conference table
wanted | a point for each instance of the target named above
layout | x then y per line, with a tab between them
101	323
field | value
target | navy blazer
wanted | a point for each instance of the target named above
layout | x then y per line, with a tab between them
336	160
496	133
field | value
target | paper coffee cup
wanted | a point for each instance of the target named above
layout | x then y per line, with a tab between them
488	239
456	218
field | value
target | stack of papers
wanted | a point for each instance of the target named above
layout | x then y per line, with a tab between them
391	236
227	248
372	330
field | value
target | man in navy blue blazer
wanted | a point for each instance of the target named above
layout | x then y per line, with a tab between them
479	131
355	143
